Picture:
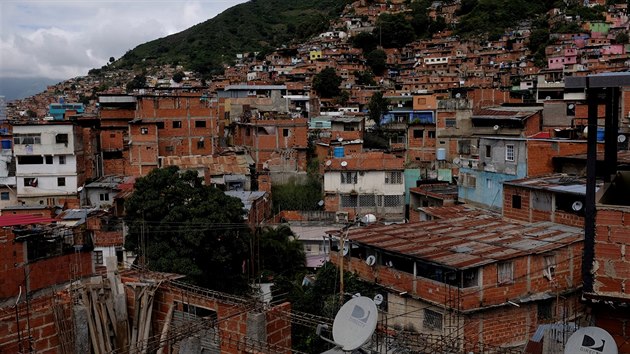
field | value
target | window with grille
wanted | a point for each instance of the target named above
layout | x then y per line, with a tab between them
97	256
393	177
348	201
505	272
367	200
25	139
432	320
348	177
509	152
392	200
450	122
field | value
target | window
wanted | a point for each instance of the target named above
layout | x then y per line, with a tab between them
103	197
25	139
30	160
30	182
348	177
392	200
468	180
49	159
431	134
509	152
432	320
169	149
505	272
393	177
463	147
4	196
348	201
144	131
319	124
450	122
550	264
159	125
61	181
471	278
367	200
62	160
97	257
488	151
61	139
200	144
285	132
177	124
418	133
200	124
516	201
489	184
248	132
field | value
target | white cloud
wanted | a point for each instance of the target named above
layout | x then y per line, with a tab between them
65	38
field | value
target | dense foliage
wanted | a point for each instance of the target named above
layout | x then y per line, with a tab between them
253	26
326	83
493	17
180	225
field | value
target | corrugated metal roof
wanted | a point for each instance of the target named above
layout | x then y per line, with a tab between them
20	220
248	198
470	239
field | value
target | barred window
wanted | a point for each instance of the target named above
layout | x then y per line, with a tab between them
432	320
509	153
348	201
392	200
393	177
24	139
97	257
367	200
348	177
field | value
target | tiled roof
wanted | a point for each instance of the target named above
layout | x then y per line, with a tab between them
466	238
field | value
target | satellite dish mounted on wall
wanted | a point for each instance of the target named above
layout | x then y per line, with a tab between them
577	205
496	127
344	163
378	299
355	323
621	138
328	163
346	249
371	260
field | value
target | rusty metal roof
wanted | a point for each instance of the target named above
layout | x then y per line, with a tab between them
466	237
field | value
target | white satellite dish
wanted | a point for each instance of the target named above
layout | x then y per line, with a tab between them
577	205
590	340
378	299
571	106
621	138
371	260
354	323
320	203
368	219
496	127
340	139
457	160
458	95
328	163
346	249
344	163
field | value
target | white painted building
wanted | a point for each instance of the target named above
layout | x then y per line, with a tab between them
49	162
367	183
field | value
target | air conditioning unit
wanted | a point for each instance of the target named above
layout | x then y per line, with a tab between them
341	216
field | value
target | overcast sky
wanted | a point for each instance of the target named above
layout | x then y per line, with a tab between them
61	39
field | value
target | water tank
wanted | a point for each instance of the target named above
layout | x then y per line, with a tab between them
600	134
6	144
441	154
338	151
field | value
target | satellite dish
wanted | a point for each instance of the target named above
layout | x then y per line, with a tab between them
368	219
548	97
80	189
378	299
458	95
577	205
457	160
340	139
496	127
354	323
346	249
571	106
328	163
371	260
621	138
344	163
590	340
320	203
390	264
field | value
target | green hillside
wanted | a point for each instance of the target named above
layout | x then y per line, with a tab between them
253	26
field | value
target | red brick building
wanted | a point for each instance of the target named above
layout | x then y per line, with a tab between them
469	276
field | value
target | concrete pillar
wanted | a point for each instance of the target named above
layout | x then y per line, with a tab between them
81	330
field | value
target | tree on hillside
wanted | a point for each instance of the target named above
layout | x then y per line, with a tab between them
178	77
377	61
177	224
138	82
280	252
365	41
326	83
377	108
394	30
